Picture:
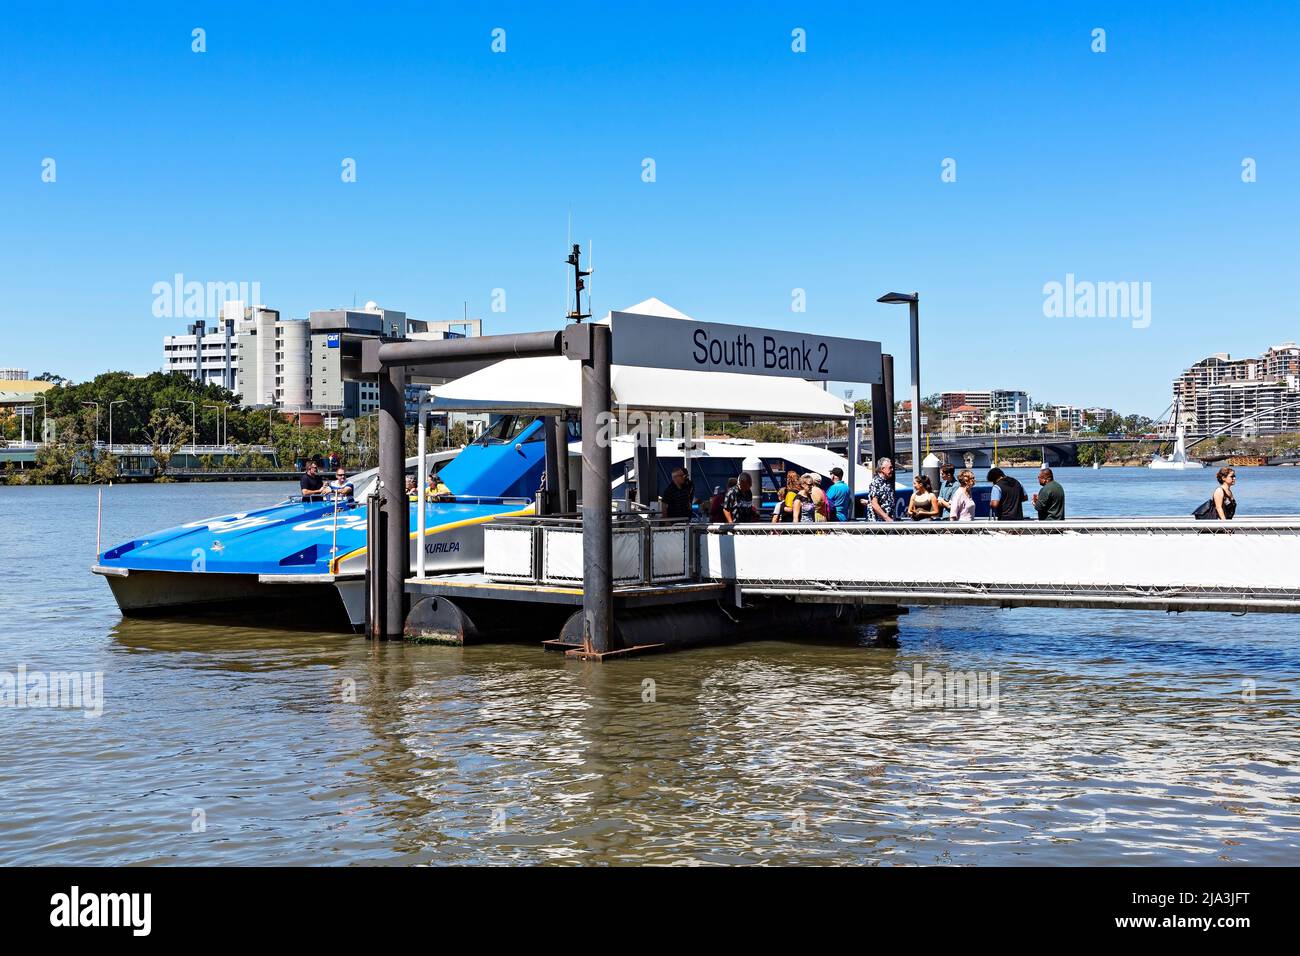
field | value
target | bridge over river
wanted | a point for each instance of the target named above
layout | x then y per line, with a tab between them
1060	448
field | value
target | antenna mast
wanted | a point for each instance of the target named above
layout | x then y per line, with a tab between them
575	260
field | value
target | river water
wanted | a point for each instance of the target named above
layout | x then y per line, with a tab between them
1117	737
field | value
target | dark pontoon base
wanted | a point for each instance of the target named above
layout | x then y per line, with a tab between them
469	609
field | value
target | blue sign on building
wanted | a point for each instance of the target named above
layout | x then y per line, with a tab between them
332	340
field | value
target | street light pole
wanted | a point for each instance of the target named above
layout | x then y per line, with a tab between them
913	301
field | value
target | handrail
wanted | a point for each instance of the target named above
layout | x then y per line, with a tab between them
475	500
986	526
534	529
575	521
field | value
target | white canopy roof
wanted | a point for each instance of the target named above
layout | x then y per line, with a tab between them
541	385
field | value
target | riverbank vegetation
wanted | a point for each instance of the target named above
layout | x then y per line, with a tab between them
162	415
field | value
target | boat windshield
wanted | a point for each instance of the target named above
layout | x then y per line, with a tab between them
506	429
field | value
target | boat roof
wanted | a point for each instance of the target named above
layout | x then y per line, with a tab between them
553	383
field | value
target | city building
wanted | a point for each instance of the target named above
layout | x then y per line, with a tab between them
307	367
13	375
1001	409
205	354
21	391
1008	403
1096	415
336	337
272	359
22	397
1241	397
949	402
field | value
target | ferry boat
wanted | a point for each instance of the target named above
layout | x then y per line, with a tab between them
315	550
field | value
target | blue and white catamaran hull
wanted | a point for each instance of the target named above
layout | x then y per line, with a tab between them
315	551
289	551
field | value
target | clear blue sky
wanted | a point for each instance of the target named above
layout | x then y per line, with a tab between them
775	171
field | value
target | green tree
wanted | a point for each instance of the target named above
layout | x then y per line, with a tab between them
1096	452
164	432
55	465
105	468
764	431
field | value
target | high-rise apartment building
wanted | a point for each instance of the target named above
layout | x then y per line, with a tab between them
1241	397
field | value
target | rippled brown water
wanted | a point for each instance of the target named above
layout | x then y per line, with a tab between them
1119	737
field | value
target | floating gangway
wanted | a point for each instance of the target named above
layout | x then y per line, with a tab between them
1160	564
677	583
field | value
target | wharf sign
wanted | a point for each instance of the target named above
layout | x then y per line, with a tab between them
657	342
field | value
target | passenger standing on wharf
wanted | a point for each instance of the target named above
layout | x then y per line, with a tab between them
1225	502
716	503
962	502
923	504
880	496
812	500
839	496
1050	500
947	486
785	501
738	505
804	508
676	499
1008	497
311	484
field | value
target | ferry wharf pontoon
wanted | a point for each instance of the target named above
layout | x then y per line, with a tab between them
604	582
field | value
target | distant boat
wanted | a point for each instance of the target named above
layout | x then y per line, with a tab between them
1178	461
1096	464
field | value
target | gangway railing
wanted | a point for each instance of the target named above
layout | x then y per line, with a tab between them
1171	564
548	550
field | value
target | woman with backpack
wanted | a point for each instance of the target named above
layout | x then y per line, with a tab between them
1225	502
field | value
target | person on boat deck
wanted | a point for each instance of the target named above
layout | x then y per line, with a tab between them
738	505
839	496
947	487
675	500
1225	502
1050	501
923	504
1006	502
311	484
880	496
435	490
340	487
716	503
410	486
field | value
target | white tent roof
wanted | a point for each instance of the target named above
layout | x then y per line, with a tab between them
653	306
540	385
